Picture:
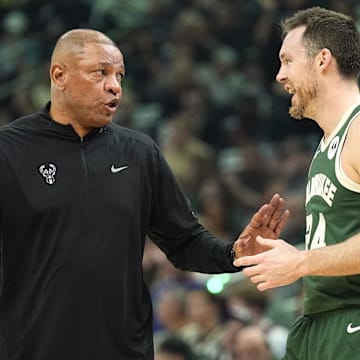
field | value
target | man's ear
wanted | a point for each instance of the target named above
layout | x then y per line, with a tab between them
57	75
324	58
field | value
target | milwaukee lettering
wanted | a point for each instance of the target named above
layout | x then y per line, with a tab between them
321	185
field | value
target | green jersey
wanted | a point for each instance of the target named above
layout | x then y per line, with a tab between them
332	216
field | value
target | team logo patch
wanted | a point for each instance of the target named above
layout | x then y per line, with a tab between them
333	147
48	171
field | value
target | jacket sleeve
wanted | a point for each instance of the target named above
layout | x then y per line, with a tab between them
175	229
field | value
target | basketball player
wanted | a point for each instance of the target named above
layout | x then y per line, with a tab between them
320	65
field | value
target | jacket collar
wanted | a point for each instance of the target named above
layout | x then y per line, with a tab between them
66	131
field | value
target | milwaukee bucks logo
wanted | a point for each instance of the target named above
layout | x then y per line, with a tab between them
48	172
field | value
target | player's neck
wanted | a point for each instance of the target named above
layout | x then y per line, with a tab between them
333	105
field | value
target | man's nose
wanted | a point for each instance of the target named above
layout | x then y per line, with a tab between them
113	85
280	76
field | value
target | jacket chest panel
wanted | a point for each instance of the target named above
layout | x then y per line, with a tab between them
76	177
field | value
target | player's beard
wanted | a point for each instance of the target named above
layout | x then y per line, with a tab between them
305	94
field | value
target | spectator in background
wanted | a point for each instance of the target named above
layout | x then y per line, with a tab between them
191	159
245	303
206	313
171	312
215	208
174	348
250	344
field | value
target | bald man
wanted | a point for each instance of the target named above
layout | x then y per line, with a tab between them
78	196
81	98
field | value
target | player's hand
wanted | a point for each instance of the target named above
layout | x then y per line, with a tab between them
279	266
268	222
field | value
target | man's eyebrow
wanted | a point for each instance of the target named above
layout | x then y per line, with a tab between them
105	64
283	55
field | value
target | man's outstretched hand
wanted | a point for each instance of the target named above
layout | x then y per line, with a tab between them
268	222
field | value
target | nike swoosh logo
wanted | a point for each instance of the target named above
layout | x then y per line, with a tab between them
352	329
115	170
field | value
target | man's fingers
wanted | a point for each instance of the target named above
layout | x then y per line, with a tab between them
261	216
277	204
247	261
251	271
282	222
268	211
264	286
256	279
271	215
274	202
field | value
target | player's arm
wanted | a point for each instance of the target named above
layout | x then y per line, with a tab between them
283	264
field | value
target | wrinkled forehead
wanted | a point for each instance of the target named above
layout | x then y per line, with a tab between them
93	53
100	50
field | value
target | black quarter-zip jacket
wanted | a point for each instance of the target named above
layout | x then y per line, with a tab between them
74	215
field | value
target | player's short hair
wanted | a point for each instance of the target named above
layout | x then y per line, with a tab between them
332	30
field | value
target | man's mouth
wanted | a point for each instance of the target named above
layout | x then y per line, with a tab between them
290	90
113	103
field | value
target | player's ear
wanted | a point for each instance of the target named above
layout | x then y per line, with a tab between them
324	58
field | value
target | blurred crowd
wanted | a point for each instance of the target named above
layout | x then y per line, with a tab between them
200	81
